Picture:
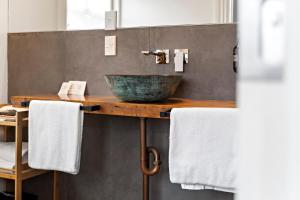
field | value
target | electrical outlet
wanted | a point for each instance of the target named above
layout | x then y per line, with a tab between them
110	45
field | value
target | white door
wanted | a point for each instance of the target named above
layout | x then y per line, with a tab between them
269	97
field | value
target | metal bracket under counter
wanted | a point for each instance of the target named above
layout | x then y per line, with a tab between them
166	114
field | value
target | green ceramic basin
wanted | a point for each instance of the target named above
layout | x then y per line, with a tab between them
143	88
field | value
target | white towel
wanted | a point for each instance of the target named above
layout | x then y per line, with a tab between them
8	150
203	143
55	136
4	164
8	153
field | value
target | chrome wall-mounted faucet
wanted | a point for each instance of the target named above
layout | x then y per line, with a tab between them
162	56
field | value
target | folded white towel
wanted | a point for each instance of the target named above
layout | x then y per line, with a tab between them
203	144
55	136
4	164
8	150
8	153
206	187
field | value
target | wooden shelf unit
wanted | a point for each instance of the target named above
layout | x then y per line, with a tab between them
21	171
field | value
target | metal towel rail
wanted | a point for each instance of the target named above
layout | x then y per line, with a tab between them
84	108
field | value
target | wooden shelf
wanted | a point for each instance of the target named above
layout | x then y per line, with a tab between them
113	106
7	123
13	124
21	171
27	173
7	120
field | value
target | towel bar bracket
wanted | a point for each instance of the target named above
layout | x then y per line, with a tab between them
25	104
165	114
90	108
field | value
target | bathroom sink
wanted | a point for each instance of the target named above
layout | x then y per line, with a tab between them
143	88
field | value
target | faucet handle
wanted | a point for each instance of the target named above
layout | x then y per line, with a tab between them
181	58
185	54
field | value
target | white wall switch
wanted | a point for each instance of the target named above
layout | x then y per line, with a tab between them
110	45
111	20
179	61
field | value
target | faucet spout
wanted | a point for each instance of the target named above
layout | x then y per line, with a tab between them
162	56
153	52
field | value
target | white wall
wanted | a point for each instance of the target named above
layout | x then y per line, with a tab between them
26	16
3	56
37	15
3	49
23	16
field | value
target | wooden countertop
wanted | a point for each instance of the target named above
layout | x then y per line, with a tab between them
113	106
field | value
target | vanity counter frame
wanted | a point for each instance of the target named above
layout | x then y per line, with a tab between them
143	111
116	107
